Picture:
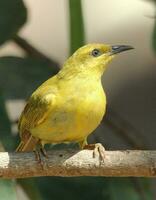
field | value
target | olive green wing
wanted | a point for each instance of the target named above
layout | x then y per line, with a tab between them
35	112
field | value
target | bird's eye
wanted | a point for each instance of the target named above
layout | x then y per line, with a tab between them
96	53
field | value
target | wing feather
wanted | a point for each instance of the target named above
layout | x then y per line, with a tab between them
35	112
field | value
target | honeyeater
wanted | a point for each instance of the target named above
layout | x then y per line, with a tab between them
70	105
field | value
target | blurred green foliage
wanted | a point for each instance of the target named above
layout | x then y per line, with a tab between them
6	139
154	29
12	16
129	189
25	74
154	36
77	37
8	190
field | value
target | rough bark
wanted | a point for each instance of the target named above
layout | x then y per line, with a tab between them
69	163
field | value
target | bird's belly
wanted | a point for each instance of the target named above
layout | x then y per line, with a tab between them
73	121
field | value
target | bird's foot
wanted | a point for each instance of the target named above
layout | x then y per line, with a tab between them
98	150
40	155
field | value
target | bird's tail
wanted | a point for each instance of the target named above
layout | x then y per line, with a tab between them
28	144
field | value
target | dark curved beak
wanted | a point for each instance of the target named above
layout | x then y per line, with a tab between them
120	48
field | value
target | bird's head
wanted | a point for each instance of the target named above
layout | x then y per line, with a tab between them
94	57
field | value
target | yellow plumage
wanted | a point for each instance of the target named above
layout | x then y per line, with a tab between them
70	105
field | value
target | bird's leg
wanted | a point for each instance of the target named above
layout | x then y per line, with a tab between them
37	155
83	143
40	153
98	149
43	151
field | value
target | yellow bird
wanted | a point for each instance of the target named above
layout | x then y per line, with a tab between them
69	106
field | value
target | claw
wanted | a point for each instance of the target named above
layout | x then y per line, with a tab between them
98	150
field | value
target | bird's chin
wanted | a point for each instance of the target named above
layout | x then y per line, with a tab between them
109	58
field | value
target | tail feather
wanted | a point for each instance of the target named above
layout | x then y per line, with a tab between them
28	144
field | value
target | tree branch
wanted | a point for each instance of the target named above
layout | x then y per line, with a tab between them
33	52
69	163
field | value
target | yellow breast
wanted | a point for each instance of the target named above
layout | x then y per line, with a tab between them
77	113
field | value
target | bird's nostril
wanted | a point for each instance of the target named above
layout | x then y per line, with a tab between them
115	47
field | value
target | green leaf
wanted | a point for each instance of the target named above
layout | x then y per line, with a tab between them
7	190
4	120
91	188
6	138
31	189
154	36
87	188
12	16
7	187
77	37
23	75
129	189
